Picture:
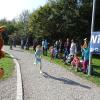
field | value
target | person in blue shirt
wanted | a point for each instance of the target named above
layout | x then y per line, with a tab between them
86	59
38	54
45	47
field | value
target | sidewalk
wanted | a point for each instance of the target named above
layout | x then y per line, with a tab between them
54	84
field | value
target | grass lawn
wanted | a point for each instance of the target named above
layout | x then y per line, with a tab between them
8	65
95	78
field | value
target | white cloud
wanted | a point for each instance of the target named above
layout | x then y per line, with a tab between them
12	8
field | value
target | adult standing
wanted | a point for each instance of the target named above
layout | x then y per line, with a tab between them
60	48
57	45
73	48
66	48
85	45
14	41
35	43
45	47
22	43
10	41
86	59
27	43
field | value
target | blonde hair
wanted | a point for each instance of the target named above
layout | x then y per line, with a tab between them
85	45
38	47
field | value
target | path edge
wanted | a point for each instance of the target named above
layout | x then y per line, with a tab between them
19	92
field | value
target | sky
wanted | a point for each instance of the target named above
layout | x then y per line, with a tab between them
10	9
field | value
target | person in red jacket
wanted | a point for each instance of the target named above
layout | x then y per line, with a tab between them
76	62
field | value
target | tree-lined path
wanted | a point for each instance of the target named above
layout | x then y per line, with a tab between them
54	84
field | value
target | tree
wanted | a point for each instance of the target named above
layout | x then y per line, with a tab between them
23	23
58	16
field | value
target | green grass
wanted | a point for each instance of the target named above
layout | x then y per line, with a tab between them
95	78
8	65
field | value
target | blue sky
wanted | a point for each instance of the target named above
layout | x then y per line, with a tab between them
10	9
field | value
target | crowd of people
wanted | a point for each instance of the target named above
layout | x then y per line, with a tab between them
67	51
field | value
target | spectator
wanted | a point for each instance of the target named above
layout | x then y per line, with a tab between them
69	59
76	62
45	47
22	43
52	52
66	48
27	43
86	59
73	48
60	48
84	46
10	42
35	43
55	52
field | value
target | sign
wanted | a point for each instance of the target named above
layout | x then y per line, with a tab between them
95	43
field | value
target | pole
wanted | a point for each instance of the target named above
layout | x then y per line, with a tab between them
92	28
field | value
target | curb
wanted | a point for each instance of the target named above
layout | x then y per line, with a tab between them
19	92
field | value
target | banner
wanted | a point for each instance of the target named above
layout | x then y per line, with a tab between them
95	43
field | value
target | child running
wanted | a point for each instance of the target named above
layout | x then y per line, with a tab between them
38	54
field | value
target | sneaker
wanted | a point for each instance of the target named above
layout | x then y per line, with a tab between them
34	63
40	71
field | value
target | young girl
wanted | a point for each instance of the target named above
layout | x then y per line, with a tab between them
76	62
38	54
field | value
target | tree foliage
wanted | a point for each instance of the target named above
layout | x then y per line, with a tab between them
56	19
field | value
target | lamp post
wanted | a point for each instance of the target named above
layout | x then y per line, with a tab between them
92	29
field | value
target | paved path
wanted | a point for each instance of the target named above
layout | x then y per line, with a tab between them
55	84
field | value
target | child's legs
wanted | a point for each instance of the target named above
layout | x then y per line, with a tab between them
35	62
78	65
52	56
40	64
85	63
73	63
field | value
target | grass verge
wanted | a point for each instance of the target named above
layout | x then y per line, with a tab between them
8	65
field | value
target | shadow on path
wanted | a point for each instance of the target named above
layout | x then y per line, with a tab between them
65	80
